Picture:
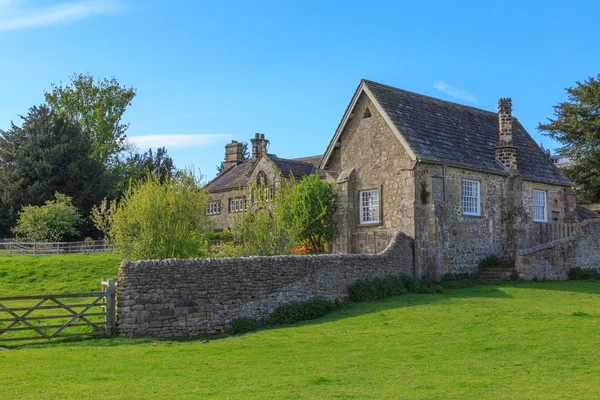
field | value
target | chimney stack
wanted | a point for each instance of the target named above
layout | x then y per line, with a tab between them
506	151
233	154
259	145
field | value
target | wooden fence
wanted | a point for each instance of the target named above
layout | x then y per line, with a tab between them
14	248
97	314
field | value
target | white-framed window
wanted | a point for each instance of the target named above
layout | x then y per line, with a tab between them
539	206
214	208
470	197
237	204
369	207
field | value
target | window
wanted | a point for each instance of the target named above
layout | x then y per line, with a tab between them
470	197
369	207
214	208
237	204
264	191
539	206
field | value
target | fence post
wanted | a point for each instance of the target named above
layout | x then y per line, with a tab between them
110	307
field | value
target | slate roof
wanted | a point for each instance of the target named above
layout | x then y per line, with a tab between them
236	176
232	178
443	132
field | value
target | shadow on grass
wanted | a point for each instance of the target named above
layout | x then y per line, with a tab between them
346	310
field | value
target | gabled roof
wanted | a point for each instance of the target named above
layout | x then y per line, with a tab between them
443	132
236	176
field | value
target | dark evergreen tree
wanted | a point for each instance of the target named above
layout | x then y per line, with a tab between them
576	126
135	166
47	154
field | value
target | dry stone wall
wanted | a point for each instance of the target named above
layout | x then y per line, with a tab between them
553	260
185	298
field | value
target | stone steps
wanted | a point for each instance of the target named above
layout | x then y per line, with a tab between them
493	274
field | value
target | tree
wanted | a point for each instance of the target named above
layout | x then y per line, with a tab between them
310	207
576	126
98	106
52	222
296	214
245	156
47	154
158	219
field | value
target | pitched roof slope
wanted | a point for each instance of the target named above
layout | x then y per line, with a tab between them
448	133
232	178
236	176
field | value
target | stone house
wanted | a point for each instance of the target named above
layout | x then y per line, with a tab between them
463	182
228	192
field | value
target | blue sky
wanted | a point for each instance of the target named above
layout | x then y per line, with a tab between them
210	72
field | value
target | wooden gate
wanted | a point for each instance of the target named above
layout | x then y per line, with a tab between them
52	316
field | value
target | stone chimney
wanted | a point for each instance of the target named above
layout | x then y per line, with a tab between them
506	151
259	145
233	154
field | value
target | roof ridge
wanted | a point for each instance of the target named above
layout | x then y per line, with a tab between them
428	97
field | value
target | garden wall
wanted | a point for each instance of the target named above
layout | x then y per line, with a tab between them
185	298
553	260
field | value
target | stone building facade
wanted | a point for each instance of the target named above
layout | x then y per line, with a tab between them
463	182
229	191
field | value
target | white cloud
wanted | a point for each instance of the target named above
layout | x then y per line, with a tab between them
175	141
455	92
13	17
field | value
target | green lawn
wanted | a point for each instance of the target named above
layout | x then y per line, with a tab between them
507	341
30	275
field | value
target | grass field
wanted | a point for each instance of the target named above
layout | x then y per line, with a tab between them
506	341
23	275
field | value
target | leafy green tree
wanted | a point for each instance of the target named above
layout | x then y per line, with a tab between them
310	207
52	222
262	229
158	219
296	214
47	154
98	106
576	126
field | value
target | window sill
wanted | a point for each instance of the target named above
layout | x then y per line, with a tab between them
369	224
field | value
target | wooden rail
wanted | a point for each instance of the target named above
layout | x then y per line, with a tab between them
14	248
82	314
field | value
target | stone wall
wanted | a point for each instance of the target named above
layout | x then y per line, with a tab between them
553	260
184	298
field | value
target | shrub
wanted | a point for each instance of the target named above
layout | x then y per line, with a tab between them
583	274
296	218
243	325
458	276
490	261
457	280
302	311
53	221
162	218
380	288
